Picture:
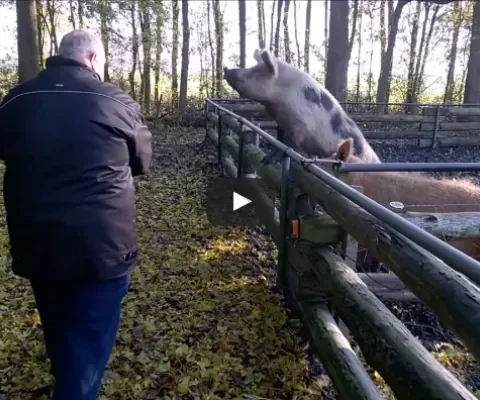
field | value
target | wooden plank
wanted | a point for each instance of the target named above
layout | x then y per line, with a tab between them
464	111
458	141
427	111
451	126
372	135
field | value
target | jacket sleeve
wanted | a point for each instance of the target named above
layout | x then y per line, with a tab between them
3	126
140	146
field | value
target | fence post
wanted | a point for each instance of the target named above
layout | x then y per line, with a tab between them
282	250
205	114
241	143
256	137
436	126
349	253
220	129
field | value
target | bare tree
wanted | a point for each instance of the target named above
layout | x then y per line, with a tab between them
40	30
175	12
242	15
410	95
276	45
359	54
145	27
452	56
306	51
261	24
131	74
185	58
212	48
472	84
53	30
271	25
158	49
218	19
27	43
81	13
286	35
299	58
72	14
339	49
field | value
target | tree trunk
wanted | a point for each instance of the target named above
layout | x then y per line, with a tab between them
27	43
299	58
158	49
410	95
40	31
354	27
145	27
472	84
427	46
370	62
286	35
212	49
338	50
386	61
242	15
383	30
276	45
105	13
325	31
175	12
306	51
261	24
185	58
271	25
53	29
72	15
452	57
359	55
80	14
416	76
131	75
218	19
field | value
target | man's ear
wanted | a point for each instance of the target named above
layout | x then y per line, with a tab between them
270	61
345	150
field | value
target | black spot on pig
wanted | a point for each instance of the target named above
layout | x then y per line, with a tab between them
326	101
338	123
311	95
344	127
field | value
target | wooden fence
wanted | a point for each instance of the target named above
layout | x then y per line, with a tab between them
432	125
312	266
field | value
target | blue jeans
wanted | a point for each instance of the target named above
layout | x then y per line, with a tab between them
80	323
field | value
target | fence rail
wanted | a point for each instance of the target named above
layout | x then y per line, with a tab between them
433	125
423	266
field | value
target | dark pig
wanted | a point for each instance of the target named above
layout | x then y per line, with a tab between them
312	120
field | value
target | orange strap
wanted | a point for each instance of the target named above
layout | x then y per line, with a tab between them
295	229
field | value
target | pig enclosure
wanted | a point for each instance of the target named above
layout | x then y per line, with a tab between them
317	278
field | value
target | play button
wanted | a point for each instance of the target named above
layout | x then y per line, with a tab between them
239	201
228	203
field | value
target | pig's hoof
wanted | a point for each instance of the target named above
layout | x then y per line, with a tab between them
273	157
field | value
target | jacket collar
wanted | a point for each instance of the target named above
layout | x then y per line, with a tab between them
61	61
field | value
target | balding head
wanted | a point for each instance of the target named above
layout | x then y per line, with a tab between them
84	47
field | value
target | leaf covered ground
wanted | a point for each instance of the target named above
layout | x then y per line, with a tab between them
199	321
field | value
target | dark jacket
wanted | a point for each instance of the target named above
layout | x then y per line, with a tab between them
71	144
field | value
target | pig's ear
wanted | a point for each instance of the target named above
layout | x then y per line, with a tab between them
345	150
257	55
270	61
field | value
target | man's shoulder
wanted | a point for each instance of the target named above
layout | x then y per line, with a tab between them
116	93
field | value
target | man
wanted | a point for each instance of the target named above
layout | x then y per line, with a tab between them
71	144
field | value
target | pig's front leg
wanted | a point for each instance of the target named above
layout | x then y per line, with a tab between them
275	155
